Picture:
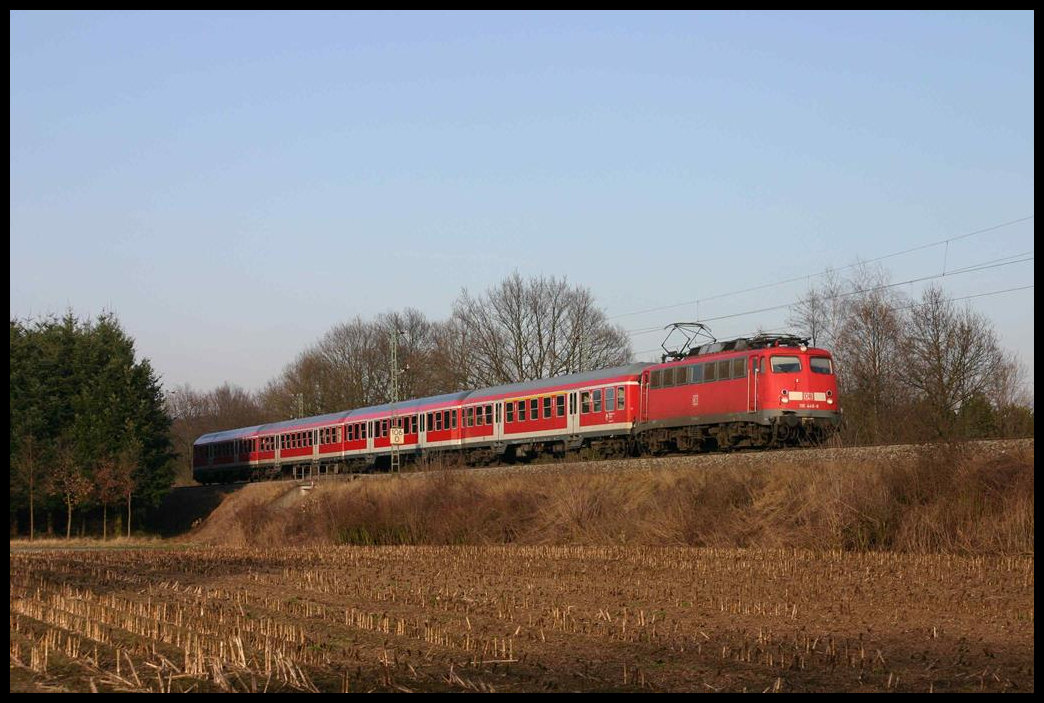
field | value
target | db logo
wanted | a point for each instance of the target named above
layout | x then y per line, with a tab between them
695	399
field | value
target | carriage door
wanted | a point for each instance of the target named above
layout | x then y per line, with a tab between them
753	379
573	414
643	398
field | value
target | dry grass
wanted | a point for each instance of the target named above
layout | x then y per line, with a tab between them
943	499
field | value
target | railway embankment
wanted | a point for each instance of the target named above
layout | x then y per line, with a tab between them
972	497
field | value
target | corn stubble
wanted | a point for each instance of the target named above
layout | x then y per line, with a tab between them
521	618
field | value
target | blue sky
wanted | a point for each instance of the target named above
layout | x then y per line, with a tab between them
232	185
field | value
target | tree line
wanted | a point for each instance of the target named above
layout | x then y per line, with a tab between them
89	428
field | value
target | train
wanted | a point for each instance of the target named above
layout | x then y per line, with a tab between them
760	392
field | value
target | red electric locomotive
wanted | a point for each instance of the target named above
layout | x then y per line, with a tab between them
763	391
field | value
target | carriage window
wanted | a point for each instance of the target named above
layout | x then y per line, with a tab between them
820	364
509	409
739	367
667	380
620	398
655	380
534	409
585	401
453	418
547	407
596	397
610	399
521	411
560	405
489	414
681	375
785	364
724	370
708	372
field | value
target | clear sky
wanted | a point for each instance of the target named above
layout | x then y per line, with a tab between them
232	185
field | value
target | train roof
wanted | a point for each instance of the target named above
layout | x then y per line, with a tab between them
228	435
413	404
311	421
573	379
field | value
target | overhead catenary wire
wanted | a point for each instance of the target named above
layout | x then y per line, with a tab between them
843	268
994	263
893	307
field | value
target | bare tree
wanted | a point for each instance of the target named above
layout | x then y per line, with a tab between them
526	329
950	357
69	481
820	312
350	367
1013	401
29	473
867	340
109	481
195	413
125	466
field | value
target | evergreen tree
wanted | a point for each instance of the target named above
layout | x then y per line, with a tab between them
81	381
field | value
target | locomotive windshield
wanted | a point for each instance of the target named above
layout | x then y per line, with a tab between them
820	364
785	364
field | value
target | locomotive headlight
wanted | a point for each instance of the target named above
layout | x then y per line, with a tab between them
830	401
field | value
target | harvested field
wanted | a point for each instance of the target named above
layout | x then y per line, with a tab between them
518	618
